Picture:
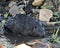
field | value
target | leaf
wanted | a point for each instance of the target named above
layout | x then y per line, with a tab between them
57	32
5	15
3	22
56	14
55	36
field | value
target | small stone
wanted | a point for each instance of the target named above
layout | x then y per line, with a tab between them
45	14
37	2
12	3
22	11
42	44
35	10
59	8
21	6
38	45
23	46
14	10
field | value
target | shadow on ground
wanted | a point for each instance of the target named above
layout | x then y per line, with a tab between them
14	39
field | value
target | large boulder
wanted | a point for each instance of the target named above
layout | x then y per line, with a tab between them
24	25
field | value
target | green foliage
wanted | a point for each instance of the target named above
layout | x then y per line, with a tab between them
56	14
46	7
55	34
3	22
59	2
55	37
5	15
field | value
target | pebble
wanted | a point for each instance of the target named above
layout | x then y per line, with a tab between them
37	2
14	10
45	14
12	3
22	46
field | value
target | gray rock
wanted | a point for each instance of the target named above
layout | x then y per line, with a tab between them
45	14
59	10
14	10
12	3
24	25
22	46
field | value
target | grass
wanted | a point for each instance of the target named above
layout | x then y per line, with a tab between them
54	37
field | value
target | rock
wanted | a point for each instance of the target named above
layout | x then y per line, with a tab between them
59	10
47	42
23	46
12	3
22	11
21	6
14	10
35	10
42	44
32	42
39	45
45	14
37	2
24	25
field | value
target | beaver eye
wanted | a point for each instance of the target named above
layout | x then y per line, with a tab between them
35	27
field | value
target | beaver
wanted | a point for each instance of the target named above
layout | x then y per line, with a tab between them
24	25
